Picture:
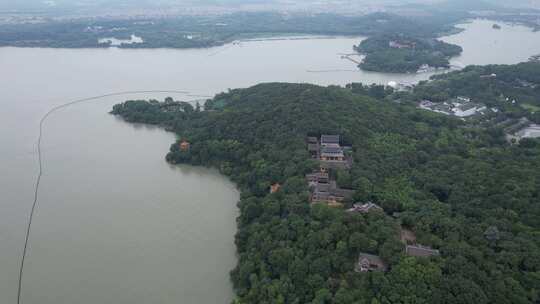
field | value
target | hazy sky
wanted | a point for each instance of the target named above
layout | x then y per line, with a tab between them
51	5
56	4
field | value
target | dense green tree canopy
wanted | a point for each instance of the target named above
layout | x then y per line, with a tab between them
513	89
382	53
461	190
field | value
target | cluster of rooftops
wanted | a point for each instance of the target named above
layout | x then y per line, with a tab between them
329	151
370	262
324	189
519	129
331	155
460	107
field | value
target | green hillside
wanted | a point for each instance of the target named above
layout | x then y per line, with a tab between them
463	191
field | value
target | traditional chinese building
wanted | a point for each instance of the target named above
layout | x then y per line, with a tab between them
331	153
369	262
326	191
330	140
421	251
365	208
184	146
275	188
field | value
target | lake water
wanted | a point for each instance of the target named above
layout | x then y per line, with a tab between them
115	223
484	45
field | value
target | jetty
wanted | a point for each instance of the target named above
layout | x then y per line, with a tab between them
351	58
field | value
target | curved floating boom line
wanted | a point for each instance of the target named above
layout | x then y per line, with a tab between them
40	164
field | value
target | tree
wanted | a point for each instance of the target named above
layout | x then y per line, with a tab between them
492	234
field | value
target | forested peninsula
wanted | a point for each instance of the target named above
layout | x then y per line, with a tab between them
461	190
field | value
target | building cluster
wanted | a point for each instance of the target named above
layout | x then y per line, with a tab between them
394	44
184	146
369	262
526	84
493	75
325	190
459	107
421	251
401	86
329	151
331	155
365	208
275	187
531	131
522	128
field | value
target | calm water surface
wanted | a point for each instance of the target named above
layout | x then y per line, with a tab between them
484	45
115	223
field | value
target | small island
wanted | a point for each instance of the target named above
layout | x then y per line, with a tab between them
405	54
496	26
